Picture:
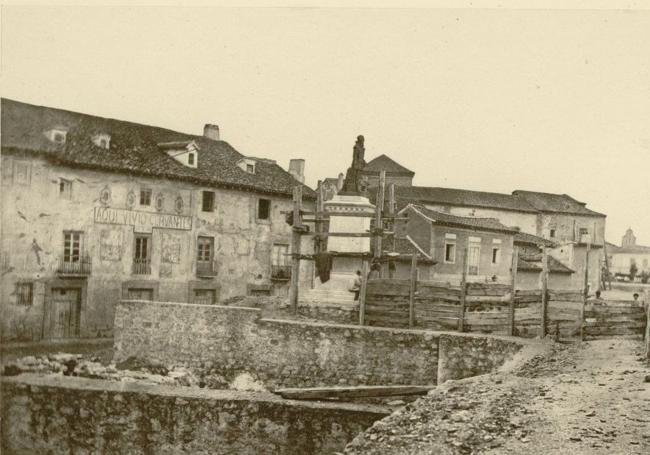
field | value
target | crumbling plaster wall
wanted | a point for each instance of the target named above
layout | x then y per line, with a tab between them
34	216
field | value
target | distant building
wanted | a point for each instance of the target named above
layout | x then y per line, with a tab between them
566	222
621	258
443	239
95	210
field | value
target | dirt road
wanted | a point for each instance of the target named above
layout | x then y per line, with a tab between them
589	398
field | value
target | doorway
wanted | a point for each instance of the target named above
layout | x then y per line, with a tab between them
65	307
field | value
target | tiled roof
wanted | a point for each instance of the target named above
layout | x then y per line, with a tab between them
489	224
134	149
555	203
633	249
406	247
466	198
533	263
530	239
384	163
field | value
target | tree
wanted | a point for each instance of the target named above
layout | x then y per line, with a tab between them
633	271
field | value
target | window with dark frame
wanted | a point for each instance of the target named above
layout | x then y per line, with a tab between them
145	196
190	159
205	249
65	189
552	233
495	255
250	168
207	202
450	252
72	246
24	293
264	209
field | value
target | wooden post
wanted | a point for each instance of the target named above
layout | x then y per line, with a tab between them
413	283
378	219
647	329
585	294
515	263
362	293
295	248
544	277
463	293
392	227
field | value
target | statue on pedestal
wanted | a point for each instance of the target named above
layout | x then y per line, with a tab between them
355	184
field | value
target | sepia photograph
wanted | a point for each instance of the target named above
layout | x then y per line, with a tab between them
325	227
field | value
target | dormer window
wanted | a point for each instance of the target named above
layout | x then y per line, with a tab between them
185	152
247	165
102	140
57	135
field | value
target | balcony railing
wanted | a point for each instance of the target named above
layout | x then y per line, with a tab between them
80	267
205	268
281	272
141	267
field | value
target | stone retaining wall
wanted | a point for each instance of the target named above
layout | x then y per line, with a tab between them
221	344
75	415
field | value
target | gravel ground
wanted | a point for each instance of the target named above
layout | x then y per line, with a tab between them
588	398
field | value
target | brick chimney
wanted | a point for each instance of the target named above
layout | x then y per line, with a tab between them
297	169
211	131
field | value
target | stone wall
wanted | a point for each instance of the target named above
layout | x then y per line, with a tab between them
466	356
75	415
220	344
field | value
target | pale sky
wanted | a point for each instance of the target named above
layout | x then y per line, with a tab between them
483	99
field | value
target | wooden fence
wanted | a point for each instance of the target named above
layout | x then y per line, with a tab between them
613	318
492	308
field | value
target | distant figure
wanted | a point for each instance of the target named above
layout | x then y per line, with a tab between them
356	285
374	273
635	296
598	294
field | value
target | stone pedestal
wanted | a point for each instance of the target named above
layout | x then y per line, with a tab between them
344	268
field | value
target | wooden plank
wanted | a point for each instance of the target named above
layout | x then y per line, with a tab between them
322	393
362	293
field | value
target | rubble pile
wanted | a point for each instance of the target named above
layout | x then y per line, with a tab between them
459	417
77	365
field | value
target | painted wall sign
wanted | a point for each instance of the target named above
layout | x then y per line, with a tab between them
107	215
171	248
111	242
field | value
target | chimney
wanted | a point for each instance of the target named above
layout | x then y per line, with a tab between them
211	131
297	169
340	182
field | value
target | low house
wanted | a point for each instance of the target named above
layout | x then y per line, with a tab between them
529	264
484	246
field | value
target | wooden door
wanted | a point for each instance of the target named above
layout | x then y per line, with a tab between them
205	296
65	306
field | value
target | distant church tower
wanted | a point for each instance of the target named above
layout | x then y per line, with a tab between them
628	239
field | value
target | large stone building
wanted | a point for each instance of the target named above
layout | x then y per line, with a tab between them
572	228
95	210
